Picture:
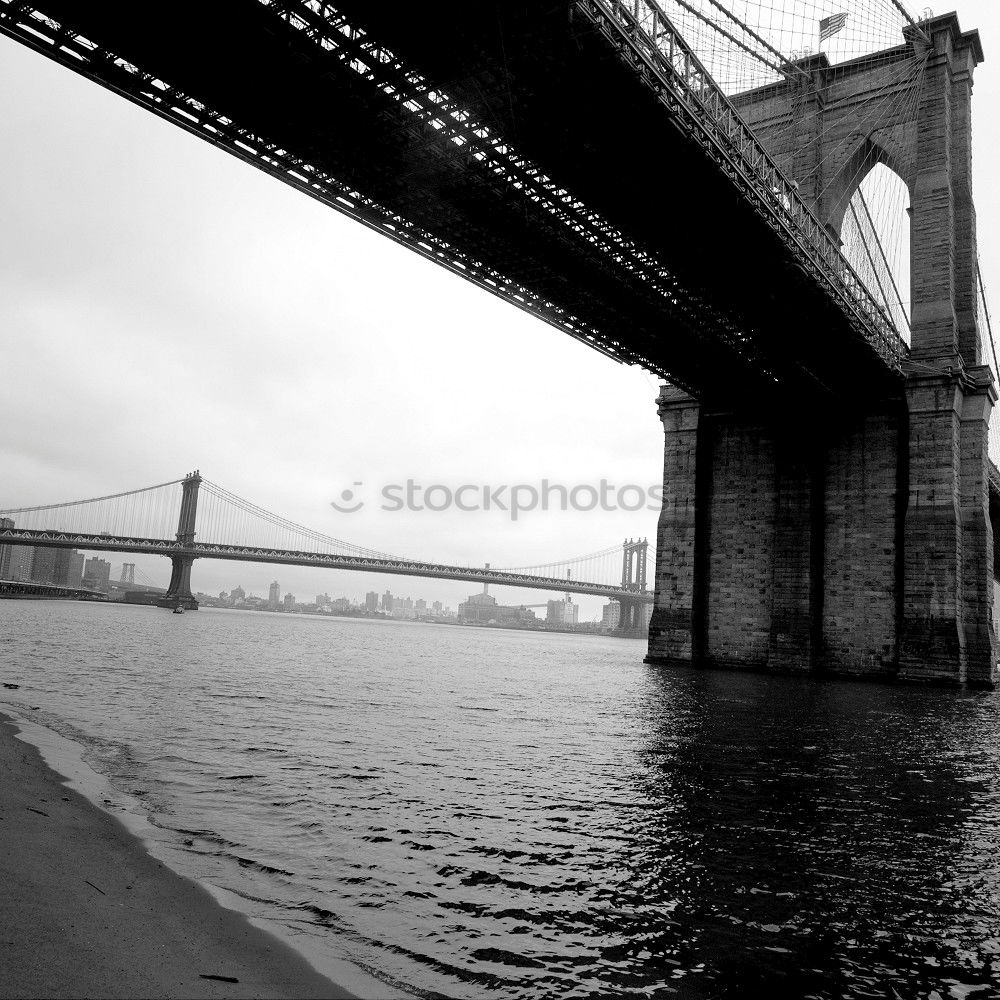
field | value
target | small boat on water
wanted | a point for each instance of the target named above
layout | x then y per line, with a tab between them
179	610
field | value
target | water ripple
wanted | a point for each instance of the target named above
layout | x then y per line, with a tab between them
536	816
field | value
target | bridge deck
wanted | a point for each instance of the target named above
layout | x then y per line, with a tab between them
735	314
321	560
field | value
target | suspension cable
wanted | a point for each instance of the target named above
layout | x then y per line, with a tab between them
77	503
913	24
986	311
722	31
785	61
881	250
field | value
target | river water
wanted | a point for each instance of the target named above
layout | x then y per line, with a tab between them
464	810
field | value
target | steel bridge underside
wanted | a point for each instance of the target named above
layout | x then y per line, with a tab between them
698	288
358	564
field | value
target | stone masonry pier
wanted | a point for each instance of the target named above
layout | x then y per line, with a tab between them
858	543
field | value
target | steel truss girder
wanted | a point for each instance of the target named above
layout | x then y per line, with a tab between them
30	26
450	122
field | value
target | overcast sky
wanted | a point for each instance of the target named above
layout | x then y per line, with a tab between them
166	307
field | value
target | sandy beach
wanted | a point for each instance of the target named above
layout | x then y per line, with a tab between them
85	911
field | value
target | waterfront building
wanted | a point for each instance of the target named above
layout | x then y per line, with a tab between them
563	612
97	575
15	560
387	602
420	607
5	522
68	569
436	607
43	566
484	608
611	615
479	607
274	595
19	560
238	595
322	600
402	607
289	602
371	601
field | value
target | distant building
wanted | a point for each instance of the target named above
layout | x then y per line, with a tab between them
402	607
238	595
563	612
611	615
274	595
43	566
436	607
322	599
387	601
5	522
478	608
371	601
484	608
68	571
289	601
15	560
420	607
96	575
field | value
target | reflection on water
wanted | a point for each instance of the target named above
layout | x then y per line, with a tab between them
467	809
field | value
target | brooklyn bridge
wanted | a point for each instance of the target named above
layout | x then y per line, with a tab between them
661	182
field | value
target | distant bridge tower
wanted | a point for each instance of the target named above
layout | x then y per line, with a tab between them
855	542
630	618
179	589
128	573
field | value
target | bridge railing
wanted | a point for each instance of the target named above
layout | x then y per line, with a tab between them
668	56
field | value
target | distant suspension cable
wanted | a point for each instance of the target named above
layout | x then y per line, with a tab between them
561	562
78	503
282	522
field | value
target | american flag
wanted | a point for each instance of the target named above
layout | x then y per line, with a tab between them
829	26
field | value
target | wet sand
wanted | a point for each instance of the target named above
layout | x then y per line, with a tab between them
85	911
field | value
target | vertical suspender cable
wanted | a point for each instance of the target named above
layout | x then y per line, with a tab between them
986	312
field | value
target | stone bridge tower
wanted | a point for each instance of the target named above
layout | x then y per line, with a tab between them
864	545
